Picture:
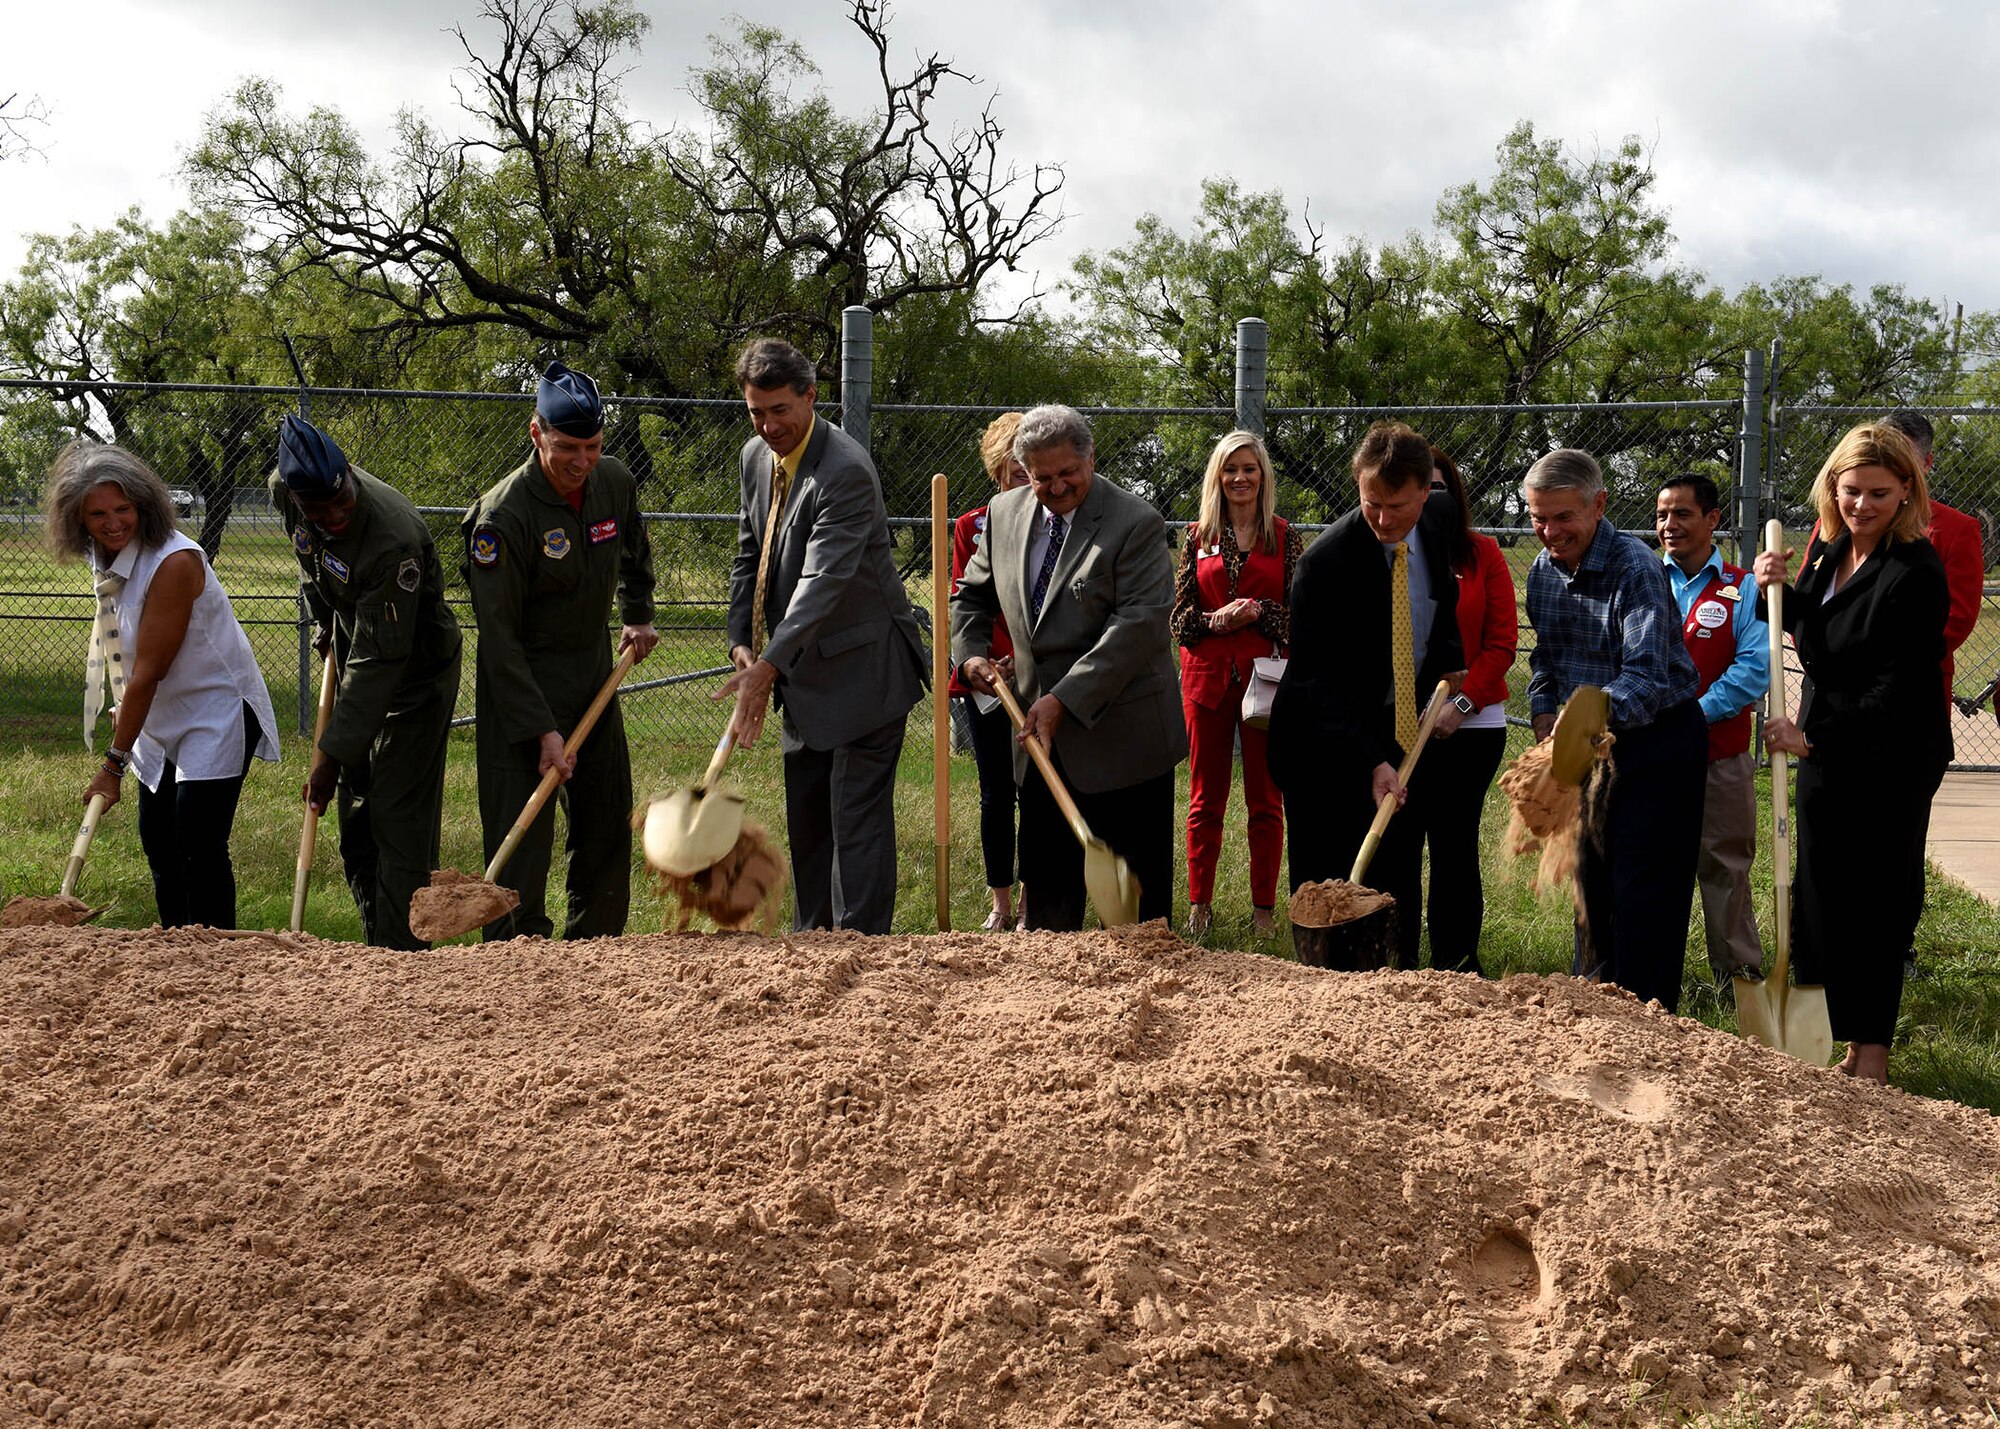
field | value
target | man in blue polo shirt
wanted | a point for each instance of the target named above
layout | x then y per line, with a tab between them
1604	616
1731	651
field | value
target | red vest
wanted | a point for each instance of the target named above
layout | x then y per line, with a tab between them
1710	634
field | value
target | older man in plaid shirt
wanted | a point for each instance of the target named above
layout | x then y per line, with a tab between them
1604	615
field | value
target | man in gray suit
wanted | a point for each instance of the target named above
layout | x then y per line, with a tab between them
819	623
1081	571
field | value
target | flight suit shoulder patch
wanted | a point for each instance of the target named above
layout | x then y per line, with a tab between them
409	575
485	546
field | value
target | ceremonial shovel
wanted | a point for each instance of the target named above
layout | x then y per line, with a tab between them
453	904
1113	888
1791	1019
1368	940
691	829
65	910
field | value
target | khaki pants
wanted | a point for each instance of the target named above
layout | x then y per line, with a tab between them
1728	848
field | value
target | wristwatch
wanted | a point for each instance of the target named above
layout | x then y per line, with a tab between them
1465	705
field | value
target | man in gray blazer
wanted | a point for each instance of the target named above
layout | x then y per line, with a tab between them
820	625
1081	571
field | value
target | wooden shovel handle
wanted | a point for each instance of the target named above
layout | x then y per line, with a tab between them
720	757
1781	814
77	850
1043	762
554	776
941	698
309	834
1387	810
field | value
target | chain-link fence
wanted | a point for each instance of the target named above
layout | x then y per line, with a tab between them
215	447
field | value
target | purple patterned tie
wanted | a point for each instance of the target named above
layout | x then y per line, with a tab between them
1056	529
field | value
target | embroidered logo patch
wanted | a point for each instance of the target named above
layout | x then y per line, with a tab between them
335	567
555	543
602	531
485	547
409	575
301	542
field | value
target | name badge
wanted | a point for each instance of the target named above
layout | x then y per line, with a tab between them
335	567
602	531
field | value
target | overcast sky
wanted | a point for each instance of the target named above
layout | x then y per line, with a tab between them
1855	140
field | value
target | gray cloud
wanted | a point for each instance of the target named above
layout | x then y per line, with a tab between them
1789	136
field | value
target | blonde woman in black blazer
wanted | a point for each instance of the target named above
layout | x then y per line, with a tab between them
1872	739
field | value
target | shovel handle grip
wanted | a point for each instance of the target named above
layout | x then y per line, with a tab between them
554	776
74	869
309	832
1387	809
1042	761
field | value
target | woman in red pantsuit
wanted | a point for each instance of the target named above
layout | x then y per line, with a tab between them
1471	734
1232	604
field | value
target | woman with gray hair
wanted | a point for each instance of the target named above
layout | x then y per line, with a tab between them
189	705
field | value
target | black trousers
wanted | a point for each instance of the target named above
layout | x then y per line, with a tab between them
840	813
184	827
1458	771
1637	875
1137	821
999	796
597	803
1858	892
391	805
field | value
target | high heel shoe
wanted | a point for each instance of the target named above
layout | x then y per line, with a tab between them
996	923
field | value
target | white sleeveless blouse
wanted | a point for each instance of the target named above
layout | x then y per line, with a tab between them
197	714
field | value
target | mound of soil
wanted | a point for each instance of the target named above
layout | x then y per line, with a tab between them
1102	1179
1333	901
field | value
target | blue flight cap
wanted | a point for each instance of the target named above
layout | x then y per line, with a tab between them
568	401
309	461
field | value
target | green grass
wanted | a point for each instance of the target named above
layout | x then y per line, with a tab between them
1947	1046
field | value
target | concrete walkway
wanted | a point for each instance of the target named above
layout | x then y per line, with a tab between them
1965	831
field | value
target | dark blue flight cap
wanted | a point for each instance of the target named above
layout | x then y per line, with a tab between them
309	462
568	401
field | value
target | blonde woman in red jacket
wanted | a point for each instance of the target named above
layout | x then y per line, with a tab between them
1459	767
1232	603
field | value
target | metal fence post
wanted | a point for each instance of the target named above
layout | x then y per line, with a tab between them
1253	343
1750	461
857	372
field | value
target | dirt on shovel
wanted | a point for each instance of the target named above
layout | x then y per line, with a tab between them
453	902
34	911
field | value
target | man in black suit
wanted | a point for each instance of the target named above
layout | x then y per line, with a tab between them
1374	628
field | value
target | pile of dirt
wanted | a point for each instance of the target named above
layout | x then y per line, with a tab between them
1100	1179
1333	901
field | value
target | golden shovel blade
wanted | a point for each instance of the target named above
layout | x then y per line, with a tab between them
1113	887
1792	1020
689	831
1586	714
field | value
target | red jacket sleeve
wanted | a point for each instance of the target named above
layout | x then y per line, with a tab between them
1961	546
1489	623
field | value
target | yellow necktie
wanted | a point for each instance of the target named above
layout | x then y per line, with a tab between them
1402	648
780	482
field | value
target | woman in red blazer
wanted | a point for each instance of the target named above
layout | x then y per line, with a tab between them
1232	603
1471	735
992	734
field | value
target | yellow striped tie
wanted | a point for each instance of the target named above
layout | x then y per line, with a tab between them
780	485
1402	648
